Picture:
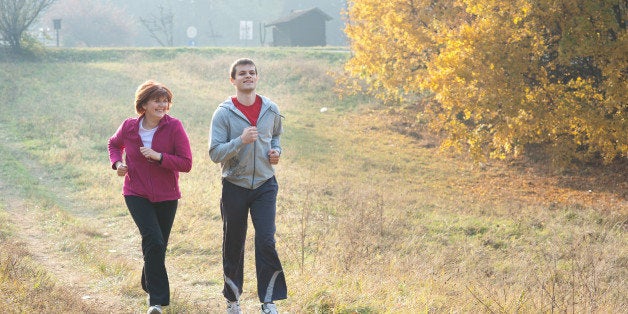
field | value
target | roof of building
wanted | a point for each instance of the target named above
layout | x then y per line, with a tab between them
295	14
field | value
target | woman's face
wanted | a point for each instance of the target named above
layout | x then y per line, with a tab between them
156	108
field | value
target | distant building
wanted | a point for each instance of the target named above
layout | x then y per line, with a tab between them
300	28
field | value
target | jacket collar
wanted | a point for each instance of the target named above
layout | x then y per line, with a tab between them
228	104
163	121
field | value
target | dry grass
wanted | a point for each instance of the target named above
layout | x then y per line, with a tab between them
372	217
26	287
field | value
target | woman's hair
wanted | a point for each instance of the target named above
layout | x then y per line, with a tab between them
241	61
151	90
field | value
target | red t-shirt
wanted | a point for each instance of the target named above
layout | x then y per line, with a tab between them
250	112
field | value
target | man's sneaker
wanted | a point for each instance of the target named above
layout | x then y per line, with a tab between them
154	309
269	308
233	307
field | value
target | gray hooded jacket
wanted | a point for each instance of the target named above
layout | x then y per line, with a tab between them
244	165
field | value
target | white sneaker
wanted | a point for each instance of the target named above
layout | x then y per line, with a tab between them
233	307
269	308
154	309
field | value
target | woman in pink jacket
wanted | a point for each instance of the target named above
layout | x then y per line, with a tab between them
149	151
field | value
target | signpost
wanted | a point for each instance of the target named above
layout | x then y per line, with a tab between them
57	25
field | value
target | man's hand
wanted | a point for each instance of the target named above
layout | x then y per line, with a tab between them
273	156
249	135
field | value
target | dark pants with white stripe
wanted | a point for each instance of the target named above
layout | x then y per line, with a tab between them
234	206
154	221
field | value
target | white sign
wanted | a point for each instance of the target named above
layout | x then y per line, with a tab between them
192	32
246	30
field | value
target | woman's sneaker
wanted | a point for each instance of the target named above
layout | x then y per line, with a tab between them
269	308
233	307
154	309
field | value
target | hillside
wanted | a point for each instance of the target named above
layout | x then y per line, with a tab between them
372	216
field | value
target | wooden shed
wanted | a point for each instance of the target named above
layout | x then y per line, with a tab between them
300	28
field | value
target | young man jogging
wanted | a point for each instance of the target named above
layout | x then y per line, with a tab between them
244	139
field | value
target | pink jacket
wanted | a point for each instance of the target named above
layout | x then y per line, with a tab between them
150	179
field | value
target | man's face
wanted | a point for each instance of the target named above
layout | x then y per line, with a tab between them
245	78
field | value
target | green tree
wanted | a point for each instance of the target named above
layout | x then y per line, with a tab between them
16	16
502	76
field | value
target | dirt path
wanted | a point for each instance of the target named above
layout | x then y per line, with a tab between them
63	267
38	229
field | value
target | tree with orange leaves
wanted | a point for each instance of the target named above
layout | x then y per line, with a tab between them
502	76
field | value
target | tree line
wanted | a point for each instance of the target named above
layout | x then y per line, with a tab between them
142	23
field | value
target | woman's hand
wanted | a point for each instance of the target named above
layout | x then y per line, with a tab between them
121	169
150	154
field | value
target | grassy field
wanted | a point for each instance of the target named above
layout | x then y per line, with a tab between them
372	216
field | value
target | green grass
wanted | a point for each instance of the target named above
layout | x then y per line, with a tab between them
369	220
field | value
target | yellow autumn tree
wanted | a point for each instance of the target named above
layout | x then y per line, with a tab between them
502	76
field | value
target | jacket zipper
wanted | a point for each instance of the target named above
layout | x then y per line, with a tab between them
254	163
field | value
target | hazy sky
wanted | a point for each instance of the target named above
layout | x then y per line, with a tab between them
216	22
